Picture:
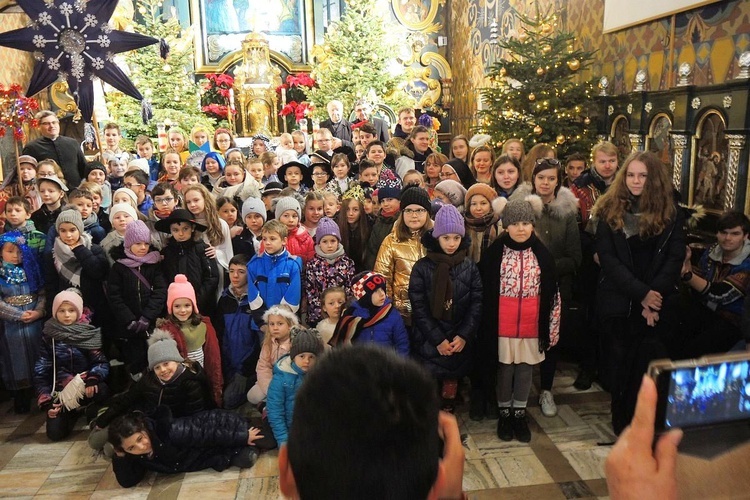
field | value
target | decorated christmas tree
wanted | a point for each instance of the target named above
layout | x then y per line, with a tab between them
357	61
168	84
537	92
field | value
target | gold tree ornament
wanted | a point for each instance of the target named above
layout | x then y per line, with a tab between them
546	49
574	64
587	121
532	97
540	71
560	139
523	36
503	72
546	29
538	130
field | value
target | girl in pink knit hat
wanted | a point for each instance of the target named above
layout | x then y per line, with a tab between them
194	334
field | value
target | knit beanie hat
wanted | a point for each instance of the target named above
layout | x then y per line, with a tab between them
122	207
72	215
137	232
521	210
254	206
282	311
389	192
305	340
453	190
479	189
181	288
162	347
287	203
272	188
95	165
72	296
128	192
414	195
327	227
365	283
447	221
139	163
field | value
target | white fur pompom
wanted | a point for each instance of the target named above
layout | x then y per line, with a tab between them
536	204
498	205
479	140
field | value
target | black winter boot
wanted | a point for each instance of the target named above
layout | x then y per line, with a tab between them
476	406
520	426
505	425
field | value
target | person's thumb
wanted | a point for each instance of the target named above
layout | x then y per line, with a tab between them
666	452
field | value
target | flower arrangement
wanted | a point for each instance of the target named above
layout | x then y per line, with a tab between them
293	97
15	110
216	93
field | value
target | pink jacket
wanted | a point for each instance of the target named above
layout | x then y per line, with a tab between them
270	353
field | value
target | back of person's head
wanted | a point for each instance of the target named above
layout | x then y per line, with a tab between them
365	426
732	219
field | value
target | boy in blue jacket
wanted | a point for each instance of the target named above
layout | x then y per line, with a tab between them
274	277
239	340
288	374
372	317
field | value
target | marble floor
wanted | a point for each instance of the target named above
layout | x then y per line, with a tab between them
564	460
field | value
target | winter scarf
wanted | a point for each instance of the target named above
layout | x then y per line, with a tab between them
90	221
65	261
132	261
548	281
350	326
442	288
330	257
80	335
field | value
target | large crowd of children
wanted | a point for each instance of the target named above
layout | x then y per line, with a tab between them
219	286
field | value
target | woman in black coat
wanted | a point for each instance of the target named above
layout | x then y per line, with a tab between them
445	291
215	439
640	243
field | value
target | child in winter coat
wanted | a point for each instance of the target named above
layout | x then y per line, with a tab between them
185	254
76	262
215	439
389	198
445	291
238	338
172	381
71	368
520	312
52	192
299	243
288	374
17	214
137	294
372	317
480	219
275	276
276	343
329	268
254	216
21	309
194	334
120	216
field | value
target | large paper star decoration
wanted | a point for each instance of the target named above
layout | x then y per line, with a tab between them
72	40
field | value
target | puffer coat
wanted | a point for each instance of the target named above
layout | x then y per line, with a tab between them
287	377
395	261
427	331
207	440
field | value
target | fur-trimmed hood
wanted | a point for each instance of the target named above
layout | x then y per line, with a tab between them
498	204
564	204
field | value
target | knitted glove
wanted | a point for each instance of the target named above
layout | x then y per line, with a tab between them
141	325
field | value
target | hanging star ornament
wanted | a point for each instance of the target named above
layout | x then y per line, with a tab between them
72	40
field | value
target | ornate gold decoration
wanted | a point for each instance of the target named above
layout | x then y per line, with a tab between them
736	143
422	87
636	141
417	15
679	143
63	100
255	82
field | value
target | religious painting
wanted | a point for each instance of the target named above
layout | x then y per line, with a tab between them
224	24
415	14
621	137
708	171
659	141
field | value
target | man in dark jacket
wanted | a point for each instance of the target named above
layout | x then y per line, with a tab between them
407	118
53	146
363	110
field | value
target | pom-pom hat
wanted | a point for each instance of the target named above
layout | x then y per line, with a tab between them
162	348
181	288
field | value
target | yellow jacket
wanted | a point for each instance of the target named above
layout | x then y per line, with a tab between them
395	261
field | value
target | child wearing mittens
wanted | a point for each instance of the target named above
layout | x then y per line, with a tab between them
329	268
137	293
194	334
71	368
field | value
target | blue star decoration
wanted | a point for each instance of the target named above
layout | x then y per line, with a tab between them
72	40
